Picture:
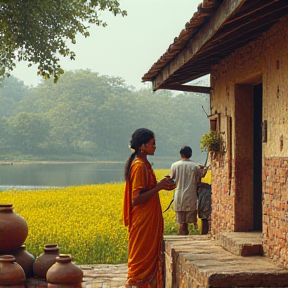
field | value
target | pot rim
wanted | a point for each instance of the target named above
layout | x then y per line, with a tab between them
51	247
7	258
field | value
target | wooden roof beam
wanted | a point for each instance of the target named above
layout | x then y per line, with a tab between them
225	11
187	88
241	24
250	11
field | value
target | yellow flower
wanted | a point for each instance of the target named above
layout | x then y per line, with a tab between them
85	221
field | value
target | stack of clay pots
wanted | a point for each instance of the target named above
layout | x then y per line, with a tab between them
16	264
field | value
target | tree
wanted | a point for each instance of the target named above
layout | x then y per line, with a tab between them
88	116
37	31
11	93
29	131
5	139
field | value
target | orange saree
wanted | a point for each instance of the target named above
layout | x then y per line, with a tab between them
145	226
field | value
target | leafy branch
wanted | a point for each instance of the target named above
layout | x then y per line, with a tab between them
37	31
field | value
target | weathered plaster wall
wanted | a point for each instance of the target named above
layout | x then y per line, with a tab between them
263	60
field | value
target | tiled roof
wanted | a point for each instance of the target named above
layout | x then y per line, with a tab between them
217	29
204	11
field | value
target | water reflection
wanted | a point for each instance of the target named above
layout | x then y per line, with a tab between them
60	175
46	175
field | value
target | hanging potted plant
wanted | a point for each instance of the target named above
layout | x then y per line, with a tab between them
212	142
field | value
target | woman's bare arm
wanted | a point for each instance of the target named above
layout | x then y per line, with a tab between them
164	184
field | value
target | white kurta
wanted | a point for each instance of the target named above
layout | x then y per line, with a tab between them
187	174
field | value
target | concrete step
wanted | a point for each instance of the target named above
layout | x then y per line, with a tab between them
197	261
242	243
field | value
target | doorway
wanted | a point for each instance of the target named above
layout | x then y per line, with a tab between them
257	158
248	156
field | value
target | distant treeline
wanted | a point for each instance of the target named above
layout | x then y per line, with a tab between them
86	116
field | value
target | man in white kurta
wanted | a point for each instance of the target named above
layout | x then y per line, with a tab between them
187	175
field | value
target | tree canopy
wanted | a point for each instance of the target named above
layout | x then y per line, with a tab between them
37	31
88	116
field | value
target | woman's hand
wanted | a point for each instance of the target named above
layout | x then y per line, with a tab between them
167	184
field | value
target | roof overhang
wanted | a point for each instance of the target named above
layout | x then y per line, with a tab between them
218	28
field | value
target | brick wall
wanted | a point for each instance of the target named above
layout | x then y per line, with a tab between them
275	209
222	200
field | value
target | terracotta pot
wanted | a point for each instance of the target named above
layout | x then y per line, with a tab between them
13	229
45	260
11	273
24	259
64	272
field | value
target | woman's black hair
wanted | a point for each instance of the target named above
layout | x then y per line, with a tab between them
139	137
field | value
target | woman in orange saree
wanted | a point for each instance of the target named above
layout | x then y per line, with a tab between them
143	214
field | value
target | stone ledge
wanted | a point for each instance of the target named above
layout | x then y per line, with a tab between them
194	262
242	243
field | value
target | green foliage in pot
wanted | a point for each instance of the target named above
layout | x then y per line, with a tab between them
212	142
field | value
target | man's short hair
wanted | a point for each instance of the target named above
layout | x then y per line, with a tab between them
186	151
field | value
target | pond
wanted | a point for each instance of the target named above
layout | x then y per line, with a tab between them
45	175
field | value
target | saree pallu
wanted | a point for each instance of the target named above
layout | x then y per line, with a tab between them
145	226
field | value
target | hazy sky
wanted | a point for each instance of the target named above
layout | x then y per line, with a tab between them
128	46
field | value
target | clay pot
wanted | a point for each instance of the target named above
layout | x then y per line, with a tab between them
13	229
45	260
11	273
64	272
24	259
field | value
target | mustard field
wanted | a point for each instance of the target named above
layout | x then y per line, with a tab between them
85	221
